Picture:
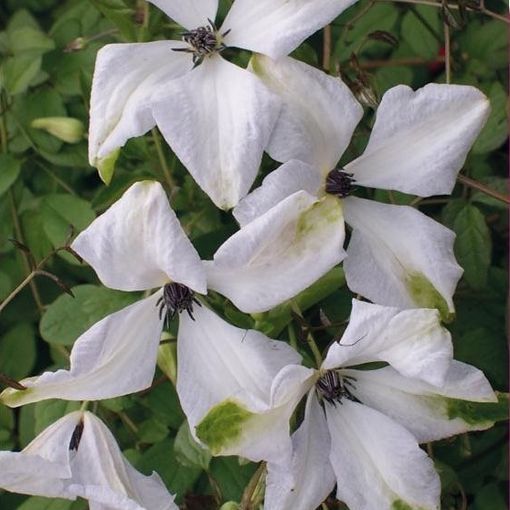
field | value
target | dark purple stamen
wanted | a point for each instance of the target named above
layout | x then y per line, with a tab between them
76	437
333	387
203	42
339	183
176	298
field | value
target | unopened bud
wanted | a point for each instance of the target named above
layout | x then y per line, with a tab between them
76	45
65	128
230	505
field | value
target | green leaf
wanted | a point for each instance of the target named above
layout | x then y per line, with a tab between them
118	13
38	503
188	452
484	348
29	40
490	497
473	245
419	29
60	212
495	131
16	73
382	16
161	458
152	431
231	476
48	412
67	318
163	402
10	168
18	351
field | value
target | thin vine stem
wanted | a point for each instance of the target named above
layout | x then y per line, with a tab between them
483	188
483	10
162	161
447	54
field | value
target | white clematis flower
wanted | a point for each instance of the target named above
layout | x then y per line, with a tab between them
138	244
362	424
396	256
217	117
78	456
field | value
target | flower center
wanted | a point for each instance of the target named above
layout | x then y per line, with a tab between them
339	183
333	387
203	41
176	298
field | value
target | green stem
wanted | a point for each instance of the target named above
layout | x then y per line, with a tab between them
17	290
162	160
309	337
28	269
246	500
447	54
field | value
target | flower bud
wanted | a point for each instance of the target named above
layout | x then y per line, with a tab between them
65	128
230	505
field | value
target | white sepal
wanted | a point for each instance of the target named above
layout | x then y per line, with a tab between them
139	244
279	254
413	341
377	462
218	119
125	77
420	139
399	257
116	356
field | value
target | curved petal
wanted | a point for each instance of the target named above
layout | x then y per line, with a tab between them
276	27
399	257
189	14
125	77
319	112
420	139
279	254
102	474
377	462
41	468
412	341
286	180
308	480
218	120
224	383
116	356
138	243
429	412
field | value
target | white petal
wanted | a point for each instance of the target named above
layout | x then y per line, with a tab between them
412	341
319	112
279	254
378	463
429	412
225	381
276	27
420	139
190	13
308	480
125	77
116	356
399	257
218	120
103	475
41	468
138	243
286	180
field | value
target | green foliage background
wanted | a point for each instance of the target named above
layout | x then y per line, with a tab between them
47	52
